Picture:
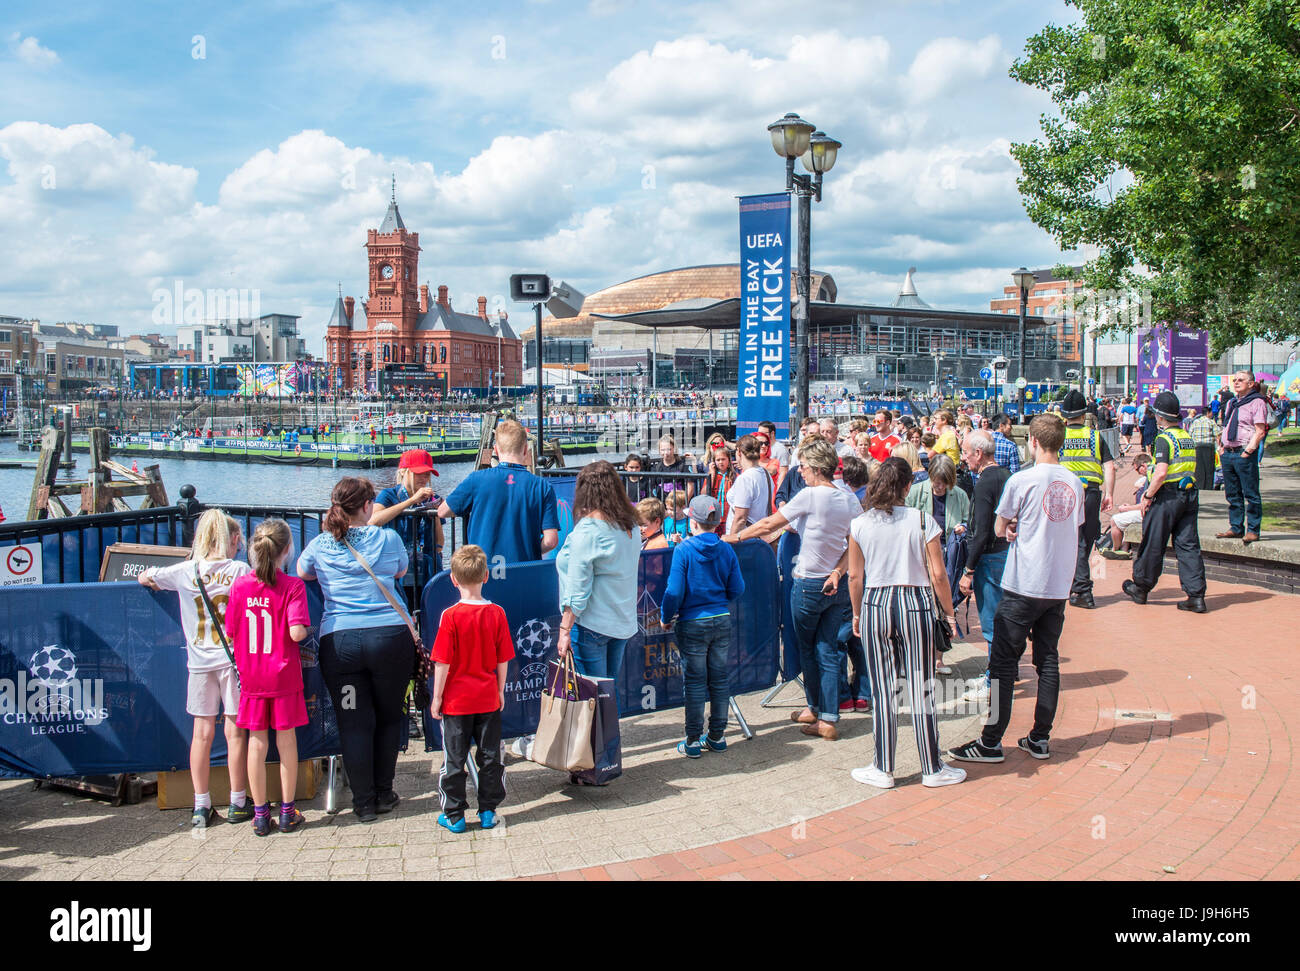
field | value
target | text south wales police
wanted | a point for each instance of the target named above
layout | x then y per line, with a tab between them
765	299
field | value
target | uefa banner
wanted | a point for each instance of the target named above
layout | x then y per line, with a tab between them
93	681
764	356
651	676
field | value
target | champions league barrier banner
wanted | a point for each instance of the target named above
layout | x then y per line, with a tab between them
764	362
651	676
93	681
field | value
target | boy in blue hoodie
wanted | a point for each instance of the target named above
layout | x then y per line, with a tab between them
705	575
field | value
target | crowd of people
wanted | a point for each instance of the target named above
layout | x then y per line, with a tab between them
884	525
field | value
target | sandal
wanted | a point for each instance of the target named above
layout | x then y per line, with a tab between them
799	717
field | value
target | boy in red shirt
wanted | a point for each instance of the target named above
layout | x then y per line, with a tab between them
470	656
266	618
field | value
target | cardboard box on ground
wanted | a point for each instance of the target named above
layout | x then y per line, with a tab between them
176	789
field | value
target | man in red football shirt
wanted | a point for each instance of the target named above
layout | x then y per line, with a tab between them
470	653
883	439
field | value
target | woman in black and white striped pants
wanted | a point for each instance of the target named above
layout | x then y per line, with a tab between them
893	561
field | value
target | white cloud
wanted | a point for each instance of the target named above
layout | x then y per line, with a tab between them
30	52
80	163
946	63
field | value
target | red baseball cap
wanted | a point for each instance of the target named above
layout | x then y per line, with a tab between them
418	461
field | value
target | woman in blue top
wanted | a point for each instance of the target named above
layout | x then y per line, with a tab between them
421	535
366	651
597	568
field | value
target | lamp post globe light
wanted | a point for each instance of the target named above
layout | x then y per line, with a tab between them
793	138
1024	281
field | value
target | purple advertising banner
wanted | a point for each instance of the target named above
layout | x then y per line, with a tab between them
1153	361
1190	351
1173	359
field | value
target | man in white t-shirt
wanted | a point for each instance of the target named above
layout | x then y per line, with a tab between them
1040	513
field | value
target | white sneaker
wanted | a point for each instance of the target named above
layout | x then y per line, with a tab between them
871	776
949	775
522	746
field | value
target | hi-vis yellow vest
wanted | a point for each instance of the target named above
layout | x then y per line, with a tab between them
1081	454
1182	458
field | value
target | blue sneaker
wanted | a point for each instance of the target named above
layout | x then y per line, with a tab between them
487	819
714	746
455	827
692	750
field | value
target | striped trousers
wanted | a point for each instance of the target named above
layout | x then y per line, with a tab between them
897	629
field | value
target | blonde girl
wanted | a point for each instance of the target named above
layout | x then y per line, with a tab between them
213	687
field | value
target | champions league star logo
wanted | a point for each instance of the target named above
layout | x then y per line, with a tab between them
53	666
533	639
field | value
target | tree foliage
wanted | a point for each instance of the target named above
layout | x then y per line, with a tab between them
1176	152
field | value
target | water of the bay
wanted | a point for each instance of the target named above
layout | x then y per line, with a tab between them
234	483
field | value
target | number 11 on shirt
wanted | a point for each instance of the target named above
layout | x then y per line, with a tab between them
252	631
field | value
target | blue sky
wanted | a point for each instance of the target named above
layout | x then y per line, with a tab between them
250	145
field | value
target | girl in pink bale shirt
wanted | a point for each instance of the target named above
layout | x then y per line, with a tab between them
266	618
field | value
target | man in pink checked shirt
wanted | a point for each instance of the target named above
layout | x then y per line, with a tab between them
1245	420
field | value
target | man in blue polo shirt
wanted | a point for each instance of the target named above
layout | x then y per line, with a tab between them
510	512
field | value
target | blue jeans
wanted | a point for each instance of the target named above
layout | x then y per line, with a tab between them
705	645
597	655
1241	486
851	650
817	622
987	586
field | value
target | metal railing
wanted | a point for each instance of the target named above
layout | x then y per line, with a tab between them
77	543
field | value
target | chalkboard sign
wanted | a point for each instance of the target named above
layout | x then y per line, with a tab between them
126	561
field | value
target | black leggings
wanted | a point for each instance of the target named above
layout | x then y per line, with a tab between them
367	671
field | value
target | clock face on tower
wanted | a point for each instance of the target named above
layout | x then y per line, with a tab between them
386	272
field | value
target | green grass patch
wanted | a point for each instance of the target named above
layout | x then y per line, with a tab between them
1281	516
1287	450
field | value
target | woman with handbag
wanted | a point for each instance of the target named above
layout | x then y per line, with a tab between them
597	569
367	643
896	575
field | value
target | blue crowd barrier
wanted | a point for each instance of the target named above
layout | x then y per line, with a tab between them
93	681
651	676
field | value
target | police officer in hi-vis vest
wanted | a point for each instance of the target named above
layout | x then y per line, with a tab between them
1086	454
1169	508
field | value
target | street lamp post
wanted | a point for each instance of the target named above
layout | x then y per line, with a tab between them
1024	280
792	138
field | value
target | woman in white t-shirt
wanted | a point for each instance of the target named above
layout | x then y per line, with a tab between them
750	496
821	513
892	585
213	684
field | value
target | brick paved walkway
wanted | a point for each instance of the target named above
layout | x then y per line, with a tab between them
1173	748
1173	751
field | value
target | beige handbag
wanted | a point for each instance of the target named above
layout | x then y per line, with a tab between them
563	738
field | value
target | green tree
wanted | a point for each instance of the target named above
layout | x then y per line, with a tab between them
1174	152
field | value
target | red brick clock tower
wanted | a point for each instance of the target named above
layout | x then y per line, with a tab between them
403	326
394	297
